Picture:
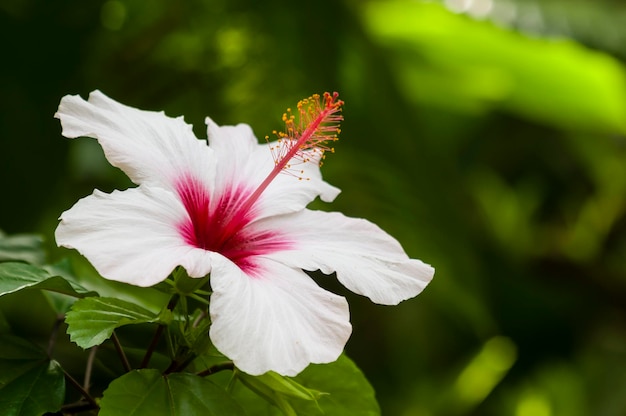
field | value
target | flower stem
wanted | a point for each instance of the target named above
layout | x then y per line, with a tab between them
153	343
53	335
157	335
120	351
89	367
198	298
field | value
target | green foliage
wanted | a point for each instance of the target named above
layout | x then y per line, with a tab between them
18	276
492	148
346	390
149	393
30	383
338	388
532	77
276	390
91	321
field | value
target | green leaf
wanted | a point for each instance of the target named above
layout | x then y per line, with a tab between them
148	393
349	392
277	389
280	384
346	392
30	383
263	390
18	276
196	337
23	247
92	320
186	285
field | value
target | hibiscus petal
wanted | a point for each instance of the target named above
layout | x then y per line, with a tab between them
231	141
298	186
367	260
277	320
131	236
147	145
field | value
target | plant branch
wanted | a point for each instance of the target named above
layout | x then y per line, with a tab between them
89	367
177	366
76	407
80	388
157	335
152	346
120	351
227	365
53	335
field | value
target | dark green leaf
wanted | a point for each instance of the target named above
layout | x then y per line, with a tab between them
60	302
148	393
17	276
23	247
92	320
276	398
30	383
348	393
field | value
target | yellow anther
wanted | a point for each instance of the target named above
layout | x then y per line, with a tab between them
308	134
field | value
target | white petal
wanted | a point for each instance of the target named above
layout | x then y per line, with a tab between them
231	141
295	188
131	236
368	261
148	146
233	146
278	320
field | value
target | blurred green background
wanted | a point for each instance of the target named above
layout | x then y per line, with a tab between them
488	136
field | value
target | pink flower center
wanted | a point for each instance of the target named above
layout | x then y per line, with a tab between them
223	227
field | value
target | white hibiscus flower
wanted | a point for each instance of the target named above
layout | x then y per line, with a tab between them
235	209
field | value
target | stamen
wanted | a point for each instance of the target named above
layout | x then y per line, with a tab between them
305	139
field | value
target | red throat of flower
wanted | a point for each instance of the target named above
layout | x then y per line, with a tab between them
220	225
306	138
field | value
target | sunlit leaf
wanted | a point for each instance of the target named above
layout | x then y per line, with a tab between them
60	302
448	60
30	383
148	393
18	276
92	320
